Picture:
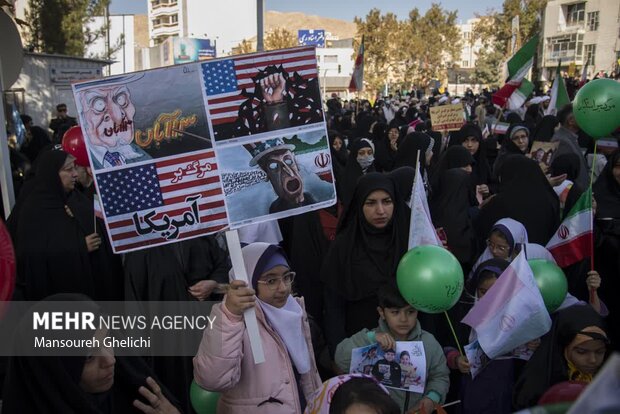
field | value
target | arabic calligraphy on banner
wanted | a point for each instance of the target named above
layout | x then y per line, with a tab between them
180	152
447	117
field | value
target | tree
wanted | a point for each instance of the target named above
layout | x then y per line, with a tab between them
380	47
428	45
495	31
245	46
62	26
280	38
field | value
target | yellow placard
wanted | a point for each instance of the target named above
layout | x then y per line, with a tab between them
447	117
571	70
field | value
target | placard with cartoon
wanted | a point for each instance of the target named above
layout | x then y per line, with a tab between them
188	150
276	177
262	92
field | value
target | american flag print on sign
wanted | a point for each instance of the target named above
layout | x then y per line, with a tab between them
162	202
236	102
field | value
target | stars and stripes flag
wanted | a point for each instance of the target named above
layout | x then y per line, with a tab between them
225	80
163	201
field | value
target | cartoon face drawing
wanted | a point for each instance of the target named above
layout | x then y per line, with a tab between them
108	114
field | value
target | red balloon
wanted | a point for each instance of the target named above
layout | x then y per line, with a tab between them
7	265
566	391
73	143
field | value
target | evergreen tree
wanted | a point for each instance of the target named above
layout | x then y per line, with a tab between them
61	26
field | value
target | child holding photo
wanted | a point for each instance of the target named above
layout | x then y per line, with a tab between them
398	321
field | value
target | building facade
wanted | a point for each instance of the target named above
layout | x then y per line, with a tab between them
578	33
470	46
336	63
225	24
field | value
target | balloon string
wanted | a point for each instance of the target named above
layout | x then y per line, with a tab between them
458	344
592	291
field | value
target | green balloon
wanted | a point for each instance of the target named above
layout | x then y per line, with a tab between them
430	278
551	281
558	408
597	107
203	401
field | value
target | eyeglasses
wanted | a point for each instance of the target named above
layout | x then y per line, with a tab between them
493	246
274	283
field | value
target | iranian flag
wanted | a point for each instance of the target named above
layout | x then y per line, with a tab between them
517	88
357	79
559	96
573	240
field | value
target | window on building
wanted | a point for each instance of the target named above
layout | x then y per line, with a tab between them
590	54
593	21
565	47
155	3
466	35
575	13
318	59
465	64
174	18
331	59
156	22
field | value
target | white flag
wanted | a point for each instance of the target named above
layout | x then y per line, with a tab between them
421	229
511	313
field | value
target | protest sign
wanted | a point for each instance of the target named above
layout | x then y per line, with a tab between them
175	150
402	368
447	117
542	152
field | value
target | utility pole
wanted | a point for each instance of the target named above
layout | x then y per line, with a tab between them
260	12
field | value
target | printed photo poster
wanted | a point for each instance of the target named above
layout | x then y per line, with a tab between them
276	177
263	92
149	145
402	368
478	360
542	152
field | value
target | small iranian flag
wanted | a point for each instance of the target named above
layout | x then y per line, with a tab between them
559	96
516	90
572	242
97	206
357	78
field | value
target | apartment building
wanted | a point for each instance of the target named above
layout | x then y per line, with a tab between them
225	24
579	33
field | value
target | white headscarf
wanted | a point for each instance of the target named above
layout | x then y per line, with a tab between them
519	236
286	321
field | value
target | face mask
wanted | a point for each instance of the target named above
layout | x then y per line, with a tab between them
365	162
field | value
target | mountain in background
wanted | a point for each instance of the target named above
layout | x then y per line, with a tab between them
295	21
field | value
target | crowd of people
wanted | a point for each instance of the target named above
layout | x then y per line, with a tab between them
323	283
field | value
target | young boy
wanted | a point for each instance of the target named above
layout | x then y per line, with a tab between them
386	370
398	321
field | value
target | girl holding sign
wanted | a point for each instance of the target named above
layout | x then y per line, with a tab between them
224	363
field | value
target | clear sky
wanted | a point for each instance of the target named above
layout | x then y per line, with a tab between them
343	9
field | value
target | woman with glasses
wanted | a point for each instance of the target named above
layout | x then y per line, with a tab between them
506	239
516	141
224	362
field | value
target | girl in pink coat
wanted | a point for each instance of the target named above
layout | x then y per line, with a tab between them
224	363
